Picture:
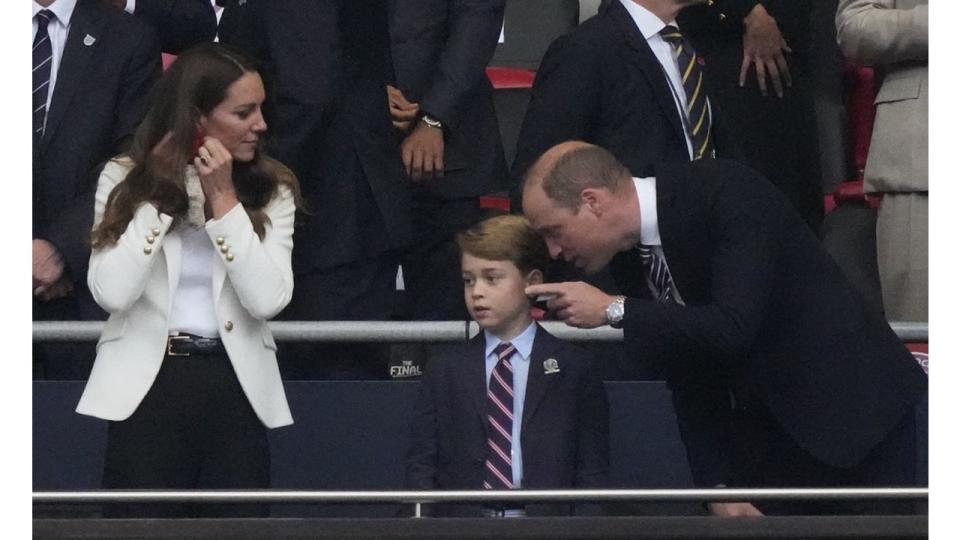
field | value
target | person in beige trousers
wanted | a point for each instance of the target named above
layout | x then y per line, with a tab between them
891	35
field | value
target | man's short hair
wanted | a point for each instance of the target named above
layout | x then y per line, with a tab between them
586	167
506	238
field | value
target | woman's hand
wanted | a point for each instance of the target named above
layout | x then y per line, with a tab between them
215	167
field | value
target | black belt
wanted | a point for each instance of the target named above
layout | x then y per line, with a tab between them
189	344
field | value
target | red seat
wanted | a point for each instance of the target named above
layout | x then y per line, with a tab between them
860	113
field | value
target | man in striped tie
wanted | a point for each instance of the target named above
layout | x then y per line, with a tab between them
93	68
630	81
514	407
780	375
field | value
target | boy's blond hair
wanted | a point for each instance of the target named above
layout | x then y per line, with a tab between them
506	238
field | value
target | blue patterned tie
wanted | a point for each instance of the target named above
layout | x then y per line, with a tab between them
656	267
42	61
698	105
498	468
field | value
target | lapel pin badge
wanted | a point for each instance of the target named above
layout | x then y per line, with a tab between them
89	40
551	366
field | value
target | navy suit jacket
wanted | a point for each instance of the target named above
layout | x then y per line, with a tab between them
180	24
769	318
603	84
564	434
440	49
99	99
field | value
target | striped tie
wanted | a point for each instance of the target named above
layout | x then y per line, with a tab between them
659	273
498	468
698	104
42	60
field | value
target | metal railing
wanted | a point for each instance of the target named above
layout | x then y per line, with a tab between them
419	498
393	331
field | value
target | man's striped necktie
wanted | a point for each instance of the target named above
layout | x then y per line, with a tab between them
42	61
498	468
656	267
698	104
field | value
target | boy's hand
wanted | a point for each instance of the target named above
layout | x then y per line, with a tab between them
575	302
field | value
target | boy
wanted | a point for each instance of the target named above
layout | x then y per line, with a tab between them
514	407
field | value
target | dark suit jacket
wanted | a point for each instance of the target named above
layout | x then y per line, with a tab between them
99	99
440	50
180	24
602	84
564	434
769	317
326	71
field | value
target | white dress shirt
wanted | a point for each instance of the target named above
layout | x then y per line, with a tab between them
193	305
520	361
650	26
57	28
650	226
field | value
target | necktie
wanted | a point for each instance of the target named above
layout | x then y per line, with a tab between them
42	60
498	468
698	104
659	273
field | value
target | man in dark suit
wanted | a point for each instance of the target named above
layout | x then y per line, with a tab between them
94	69
617	82
780	375
326	65
442	102
514	407
180	24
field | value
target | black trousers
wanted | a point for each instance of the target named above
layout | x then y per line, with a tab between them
362	290
195	429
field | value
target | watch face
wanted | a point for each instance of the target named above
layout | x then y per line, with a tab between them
615	311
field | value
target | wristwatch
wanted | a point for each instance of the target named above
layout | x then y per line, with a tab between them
615	311
431	121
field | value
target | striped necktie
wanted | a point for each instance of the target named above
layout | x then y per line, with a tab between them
42	60
498	468
656	267
698	104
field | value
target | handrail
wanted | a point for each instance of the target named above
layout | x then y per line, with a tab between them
394	331
520	495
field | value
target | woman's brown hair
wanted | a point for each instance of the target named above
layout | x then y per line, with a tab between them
194	85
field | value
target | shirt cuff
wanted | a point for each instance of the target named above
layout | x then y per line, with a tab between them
131	6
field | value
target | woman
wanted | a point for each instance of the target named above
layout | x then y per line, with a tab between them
191	255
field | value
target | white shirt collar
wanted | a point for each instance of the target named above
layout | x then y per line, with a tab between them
647	196
649	24
63	9
522	343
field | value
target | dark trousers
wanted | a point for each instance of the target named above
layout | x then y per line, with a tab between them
362	290
768	457
195	429
431	266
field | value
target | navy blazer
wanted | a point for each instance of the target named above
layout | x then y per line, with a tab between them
110	63
180	24
769	317
440	49
564	434
603	84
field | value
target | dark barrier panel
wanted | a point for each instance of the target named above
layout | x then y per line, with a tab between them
821	527
354	435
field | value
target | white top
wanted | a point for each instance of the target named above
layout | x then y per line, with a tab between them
650	26
520	362
192	311
650	226
57	28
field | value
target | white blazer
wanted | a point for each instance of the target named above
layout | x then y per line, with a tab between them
134	281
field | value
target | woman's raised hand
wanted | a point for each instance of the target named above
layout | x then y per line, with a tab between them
215	167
